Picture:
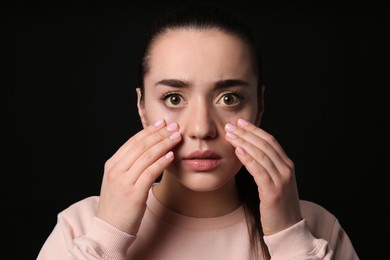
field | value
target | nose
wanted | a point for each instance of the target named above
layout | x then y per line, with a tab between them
199	121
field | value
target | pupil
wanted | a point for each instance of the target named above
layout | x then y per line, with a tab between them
227	99
175	100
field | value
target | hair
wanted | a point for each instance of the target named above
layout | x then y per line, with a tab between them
204	17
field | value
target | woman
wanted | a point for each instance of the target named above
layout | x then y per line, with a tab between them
225	189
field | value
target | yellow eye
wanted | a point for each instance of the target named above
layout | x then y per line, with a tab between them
229	99
173	100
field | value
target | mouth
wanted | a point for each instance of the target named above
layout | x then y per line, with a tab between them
202	161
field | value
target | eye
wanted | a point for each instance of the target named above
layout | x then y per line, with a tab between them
230	99
172	100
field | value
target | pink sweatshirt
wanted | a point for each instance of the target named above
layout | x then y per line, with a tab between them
166	235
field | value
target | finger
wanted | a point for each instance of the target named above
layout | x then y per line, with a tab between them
263	180
139	147
157	125
263	138
260	148
151	173
151	155
255	156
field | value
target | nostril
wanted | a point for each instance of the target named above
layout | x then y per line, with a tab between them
198	122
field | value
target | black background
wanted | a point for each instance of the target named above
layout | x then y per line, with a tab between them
70	103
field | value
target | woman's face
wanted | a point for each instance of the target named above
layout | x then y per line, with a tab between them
201	80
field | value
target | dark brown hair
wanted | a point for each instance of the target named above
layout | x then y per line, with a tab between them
203	17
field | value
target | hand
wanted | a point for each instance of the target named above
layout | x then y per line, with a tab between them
131	172
273	173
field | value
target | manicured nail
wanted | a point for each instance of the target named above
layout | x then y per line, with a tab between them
231	135
242	122
172	127
158	123
169	155
174	136
229	127
240	150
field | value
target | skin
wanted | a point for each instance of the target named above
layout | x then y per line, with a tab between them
191	104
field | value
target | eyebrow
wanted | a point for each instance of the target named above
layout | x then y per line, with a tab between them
176	83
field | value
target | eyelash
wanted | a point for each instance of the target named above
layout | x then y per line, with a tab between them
240	98
168	94
235	93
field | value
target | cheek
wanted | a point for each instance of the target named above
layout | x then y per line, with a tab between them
170	116
248	114
154	111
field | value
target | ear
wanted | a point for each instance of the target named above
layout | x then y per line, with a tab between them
141	108
260	104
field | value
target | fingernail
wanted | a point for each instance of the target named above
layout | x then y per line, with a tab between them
169	155
229	127
172	127
174	136
158	123
241	151
242	122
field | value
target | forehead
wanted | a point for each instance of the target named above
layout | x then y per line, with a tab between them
192	54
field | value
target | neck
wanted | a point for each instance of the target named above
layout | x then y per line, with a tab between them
199	204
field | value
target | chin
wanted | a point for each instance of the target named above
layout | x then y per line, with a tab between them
201	183
205	181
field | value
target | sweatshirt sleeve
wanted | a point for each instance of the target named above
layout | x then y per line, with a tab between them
297	242
323	238
84	236
341	244
103	241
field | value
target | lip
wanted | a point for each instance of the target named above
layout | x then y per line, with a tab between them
202	161
206	154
